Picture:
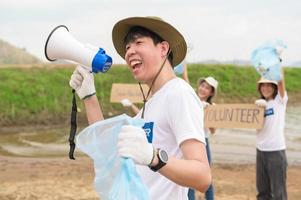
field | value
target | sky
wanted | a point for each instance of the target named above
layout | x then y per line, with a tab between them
214	29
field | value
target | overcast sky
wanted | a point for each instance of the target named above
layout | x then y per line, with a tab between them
216	29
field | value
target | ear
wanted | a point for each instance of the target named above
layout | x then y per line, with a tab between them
164	48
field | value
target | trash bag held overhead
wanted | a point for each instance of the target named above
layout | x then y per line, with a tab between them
116	178
267	61
179	69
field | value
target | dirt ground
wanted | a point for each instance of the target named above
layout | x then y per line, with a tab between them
60	178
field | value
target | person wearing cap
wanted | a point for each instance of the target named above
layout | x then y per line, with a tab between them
271	161
171	157
206	90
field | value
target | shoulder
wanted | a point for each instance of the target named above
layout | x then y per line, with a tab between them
182	94
180	87
280	99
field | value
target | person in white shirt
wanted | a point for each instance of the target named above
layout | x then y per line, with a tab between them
170	152
206	90
271	161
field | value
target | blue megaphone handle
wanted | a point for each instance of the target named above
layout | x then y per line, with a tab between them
101	62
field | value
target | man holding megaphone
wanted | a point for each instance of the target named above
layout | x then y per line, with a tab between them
175	158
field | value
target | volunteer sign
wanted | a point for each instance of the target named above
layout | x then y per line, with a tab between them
132	92
234	116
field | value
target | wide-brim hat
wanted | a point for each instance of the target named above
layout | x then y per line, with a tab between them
166	31
211	81
264	80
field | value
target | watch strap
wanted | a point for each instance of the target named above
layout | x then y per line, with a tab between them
160	163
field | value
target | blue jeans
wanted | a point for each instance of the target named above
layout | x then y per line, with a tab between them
209	195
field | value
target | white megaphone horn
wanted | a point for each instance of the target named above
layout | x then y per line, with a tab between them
60	44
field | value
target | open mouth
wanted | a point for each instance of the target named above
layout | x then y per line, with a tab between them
135	64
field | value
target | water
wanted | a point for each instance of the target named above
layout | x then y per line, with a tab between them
227	145
35	141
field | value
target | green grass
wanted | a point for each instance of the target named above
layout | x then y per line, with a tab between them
41	95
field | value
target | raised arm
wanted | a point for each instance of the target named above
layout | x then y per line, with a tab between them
93	109
281	84
82	81
185	73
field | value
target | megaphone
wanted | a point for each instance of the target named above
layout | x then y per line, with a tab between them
60	44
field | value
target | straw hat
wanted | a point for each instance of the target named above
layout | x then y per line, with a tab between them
211	81
155	24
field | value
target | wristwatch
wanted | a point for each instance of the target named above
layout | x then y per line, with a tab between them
162	157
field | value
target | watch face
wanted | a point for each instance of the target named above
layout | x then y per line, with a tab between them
163	156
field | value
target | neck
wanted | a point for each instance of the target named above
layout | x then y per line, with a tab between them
161	80
164	76
203	98
269	98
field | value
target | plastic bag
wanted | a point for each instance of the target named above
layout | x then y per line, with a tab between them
179	69
115	178
267	61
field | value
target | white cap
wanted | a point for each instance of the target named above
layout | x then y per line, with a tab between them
263	80
211	81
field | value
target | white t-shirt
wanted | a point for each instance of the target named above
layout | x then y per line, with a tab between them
177	115
207	132
271	136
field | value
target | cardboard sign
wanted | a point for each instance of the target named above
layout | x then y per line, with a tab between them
127	91
234	116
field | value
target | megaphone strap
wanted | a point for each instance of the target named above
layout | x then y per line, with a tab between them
73	126
145	98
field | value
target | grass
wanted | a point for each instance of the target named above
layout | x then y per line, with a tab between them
41	95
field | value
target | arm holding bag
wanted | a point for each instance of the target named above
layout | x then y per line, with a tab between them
115	177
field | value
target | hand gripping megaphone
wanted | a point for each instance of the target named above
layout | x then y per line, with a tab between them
60	44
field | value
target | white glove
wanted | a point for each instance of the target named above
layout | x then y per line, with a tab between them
126	102
261	102
279	50
82	80
205	104
132	143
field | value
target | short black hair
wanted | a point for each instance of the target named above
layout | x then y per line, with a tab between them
138	31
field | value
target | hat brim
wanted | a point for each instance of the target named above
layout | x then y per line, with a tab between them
267	81
261	81
167	32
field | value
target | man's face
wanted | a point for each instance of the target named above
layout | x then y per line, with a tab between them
143	58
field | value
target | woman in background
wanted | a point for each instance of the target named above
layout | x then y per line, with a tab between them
271	162
206	90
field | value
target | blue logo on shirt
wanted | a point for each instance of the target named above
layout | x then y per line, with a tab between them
268	112
148	128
